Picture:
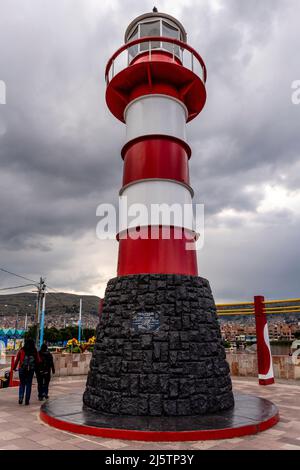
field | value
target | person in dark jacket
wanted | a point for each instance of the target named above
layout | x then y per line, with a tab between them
27	361
43	373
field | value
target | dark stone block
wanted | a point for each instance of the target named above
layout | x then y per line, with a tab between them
173	357
156	352
175	323
174	388
129	406
174	340
146	342
137	355
149	383
155	405
164	383
135	366
164	352
183	356
183	407
169	407
143	407
134	385
161	367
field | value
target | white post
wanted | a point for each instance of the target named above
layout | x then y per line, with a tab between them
42	324
79	321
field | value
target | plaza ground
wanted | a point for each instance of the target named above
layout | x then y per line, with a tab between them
21	428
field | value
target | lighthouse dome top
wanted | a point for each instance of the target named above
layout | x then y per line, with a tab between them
155	23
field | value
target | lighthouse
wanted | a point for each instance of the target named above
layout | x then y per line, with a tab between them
155	97
158	350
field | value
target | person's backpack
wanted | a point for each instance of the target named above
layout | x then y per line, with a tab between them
28	363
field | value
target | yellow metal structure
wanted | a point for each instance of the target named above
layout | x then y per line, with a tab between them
279	309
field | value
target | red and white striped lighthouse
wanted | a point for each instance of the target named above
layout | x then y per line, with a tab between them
155	85
159	361
159	349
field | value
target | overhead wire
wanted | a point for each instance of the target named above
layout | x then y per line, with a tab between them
16	287
18	275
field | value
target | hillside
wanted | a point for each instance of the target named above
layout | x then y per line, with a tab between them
61	309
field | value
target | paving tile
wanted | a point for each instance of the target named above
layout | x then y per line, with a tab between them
89	445
290	447
10	447
49	441
290	440
7	436
63	446
21	427
111	444
26	444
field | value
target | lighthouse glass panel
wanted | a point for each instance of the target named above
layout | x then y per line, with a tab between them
171	32
133	51
151	28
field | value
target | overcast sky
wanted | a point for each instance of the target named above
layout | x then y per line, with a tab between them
60	146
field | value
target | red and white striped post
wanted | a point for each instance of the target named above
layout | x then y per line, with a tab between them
264	356
155	96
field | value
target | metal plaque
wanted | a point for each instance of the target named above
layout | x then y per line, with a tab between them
145	321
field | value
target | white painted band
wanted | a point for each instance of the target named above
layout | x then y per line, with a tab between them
155	115
156	202
270	373
187	186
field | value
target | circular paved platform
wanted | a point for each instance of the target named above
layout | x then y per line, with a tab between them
250	415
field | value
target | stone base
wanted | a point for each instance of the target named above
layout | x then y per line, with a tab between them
250	415
158	350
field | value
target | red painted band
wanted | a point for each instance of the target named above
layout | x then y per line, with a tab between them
160	436
156	89
156	158
156	137
146	255
266	381
157	55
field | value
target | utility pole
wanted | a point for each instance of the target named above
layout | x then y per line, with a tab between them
16	327
79	321
40	295
26	319
42	323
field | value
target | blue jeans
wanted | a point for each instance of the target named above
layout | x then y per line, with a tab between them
25	384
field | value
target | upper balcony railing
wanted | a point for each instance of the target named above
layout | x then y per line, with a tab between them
179	51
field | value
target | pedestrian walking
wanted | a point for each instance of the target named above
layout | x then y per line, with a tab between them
26	361
44	369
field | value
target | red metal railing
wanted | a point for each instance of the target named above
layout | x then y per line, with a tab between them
110	67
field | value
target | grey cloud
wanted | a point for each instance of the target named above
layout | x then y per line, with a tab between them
60	147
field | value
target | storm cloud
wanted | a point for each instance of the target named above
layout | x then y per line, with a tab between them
60	146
